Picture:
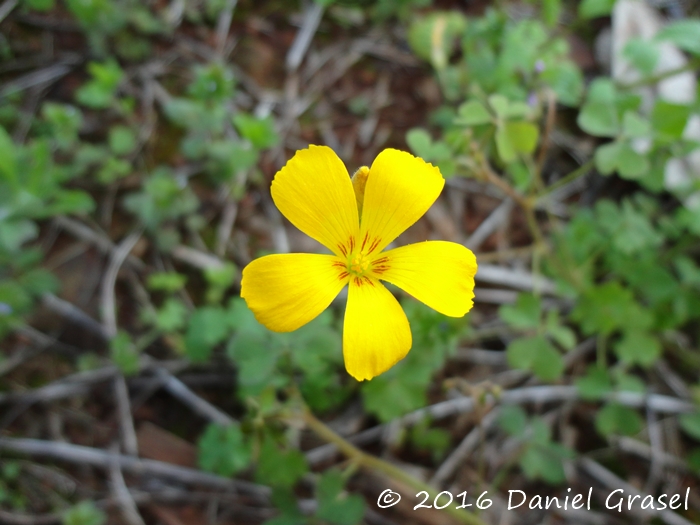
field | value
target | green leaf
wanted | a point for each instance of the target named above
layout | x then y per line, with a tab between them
171	316
523	136
618	419
518	110
420	142
64	120
683	33
166	281
690	423
39	281
638	348
628	227
599	119
259	131
694	461
566	79
630	164
220	279
277	467
254	356
322	347
499	104
669	120
113	169
595	8
625	382
608	307
435	441
184	112
562	335
506	150
544	463
643	54
8	160
602	90
389	398
213	82
99	92
334	505
548	365
688	271
520	173
473	113
67	202
124	354
39	5
536	354
633	125
122	140
207	328
447	168
513	420
223	450
596	384
285	500
524	314
551	9
15	232
239	317
10	470
14	297
84	513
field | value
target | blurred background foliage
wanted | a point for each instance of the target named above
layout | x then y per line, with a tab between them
137	144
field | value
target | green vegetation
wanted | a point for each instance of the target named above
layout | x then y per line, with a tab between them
137	182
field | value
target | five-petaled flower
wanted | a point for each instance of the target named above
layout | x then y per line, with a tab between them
356	219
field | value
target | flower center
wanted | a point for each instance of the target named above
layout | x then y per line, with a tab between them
358	264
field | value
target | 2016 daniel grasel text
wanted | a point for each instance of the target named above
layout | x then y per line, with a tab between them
616	500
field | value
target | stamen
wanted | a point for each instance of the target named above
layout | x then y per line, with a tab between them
359	181
375	243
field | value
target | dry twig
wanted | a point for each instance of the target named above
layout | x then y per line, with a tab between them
140	467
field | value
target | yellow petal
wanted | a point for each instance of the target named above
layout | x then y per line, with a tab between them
286	291
400	189
313	190
376	334
438	273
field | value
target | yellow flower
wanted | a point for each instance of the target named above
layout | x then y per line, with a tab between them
314	191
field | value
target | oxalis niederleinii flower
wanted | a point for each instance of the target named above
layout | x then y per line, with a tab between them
356	219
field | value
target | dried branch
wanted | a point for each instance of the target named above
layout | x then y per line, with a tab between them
6	8
107	300
140	467
612	482
126	421
100	241
201	406
516	396
519	280
121	493
312	17
490	224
